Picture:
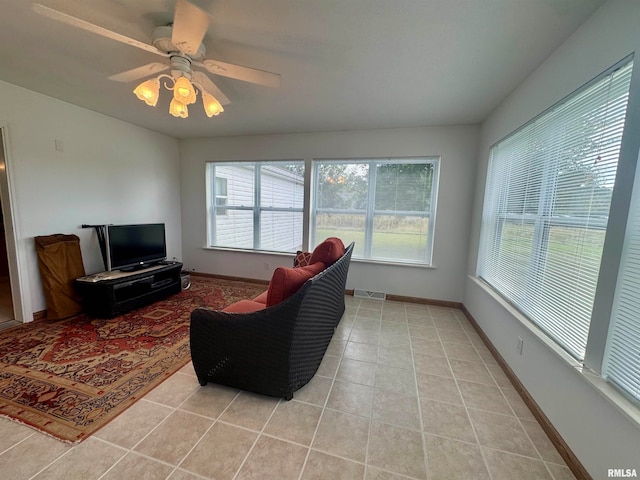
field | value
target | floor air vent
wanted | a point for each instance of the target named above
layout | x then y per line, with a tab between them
369	294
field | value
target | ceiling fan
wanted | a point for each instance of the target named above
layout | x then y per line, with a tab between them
181	43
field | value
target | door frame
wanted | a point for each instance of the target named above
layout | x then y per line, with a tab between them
20	292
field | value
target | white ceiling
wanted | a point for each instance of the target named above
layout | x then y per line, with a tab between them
345	64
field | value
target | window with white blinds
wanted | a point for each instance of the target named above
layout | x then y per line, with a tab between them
622	354
546	208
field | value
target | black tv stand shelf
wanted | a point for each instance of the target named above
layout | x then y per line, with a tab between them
109	294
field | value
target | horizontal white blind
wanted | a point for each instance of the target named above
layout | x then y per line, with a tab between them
622	354
546	209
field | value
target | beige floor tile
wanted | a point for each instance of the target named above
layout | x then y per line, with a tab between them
397	450
432	365
395	357
447	323
138	467
336	347
271	458
541	441
441	312
342	332
355	371
395	341
417	318
423	331
377	474
487	356
461	351
342	434
173	438
188	369
88	460
398	380
471	372
20	463
316	391
506	466
499	376
425	346
364	336
351	398
134	424
328	366
183	475
484	397
367	323
437	388
447	420
250	410
173	391
294	421
321	466
453	336
501	432
12	433
450	459
517	404
210	400
393	316
368	314
221	452
363	352
560	472
395	409
394	328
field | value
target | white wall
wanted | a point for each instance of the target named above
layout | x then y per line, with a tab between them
457	147
109	172
597	432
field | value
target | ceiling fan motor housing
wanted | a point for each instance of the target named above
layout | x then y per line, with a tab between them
161	39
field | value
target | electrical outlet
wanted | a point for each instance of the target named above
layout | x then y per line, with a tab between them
519	345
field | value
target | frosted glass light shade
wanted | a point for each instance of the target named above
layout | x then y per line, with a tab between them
211	104
183	91
148	91
178	109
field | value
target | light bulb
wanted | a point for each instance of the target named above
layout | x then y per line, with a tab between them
148	91
211	105
178	109
183	91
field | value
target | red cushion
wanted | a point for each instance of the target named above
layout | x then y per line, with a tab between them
244	306
302	259
287	281
262	298
328	251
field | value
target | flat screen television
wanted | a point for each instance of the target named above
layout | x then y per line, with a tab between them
131	247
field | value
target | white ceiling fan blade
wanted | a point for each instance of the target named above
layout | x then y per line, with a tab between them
251	75
189	27
210	87
139	72
90	27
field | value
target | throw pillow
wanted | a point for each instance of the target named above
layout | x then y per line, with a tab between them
301	259
287	281
328	251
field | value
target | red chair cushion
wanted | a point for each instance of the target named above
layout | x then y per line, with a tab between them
244	306
328	251
262	298
287	281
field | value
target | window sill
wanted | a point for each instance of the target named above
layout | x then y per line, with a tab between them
610	393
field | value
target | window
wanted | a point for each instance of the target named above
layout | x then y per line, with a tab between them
255	205
546	208
386	206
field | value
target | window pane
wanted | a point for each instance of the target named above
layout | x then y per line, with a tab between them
400	237
342	186
404	187
348	227
235	229
282	186
281	231
240	183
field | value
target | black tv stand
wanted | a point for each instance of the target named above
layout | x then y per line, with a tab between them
142	266
109	294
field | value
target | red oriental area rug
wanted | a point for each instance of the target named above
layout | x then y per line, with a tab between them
70	377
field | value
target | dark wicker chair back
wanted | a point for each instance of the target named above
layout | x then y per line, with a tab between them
277	350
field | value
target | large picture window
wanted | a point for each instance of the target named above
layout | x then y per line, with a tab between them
546	208
255	205
386	206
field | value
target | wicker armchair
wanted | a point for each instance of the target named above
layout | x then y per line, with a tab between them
277	350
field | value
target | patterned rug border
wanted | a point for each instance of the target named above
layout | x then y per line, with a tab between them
204	291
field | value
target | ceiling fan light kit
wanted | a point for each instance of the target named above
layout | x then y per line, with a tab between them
181	42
